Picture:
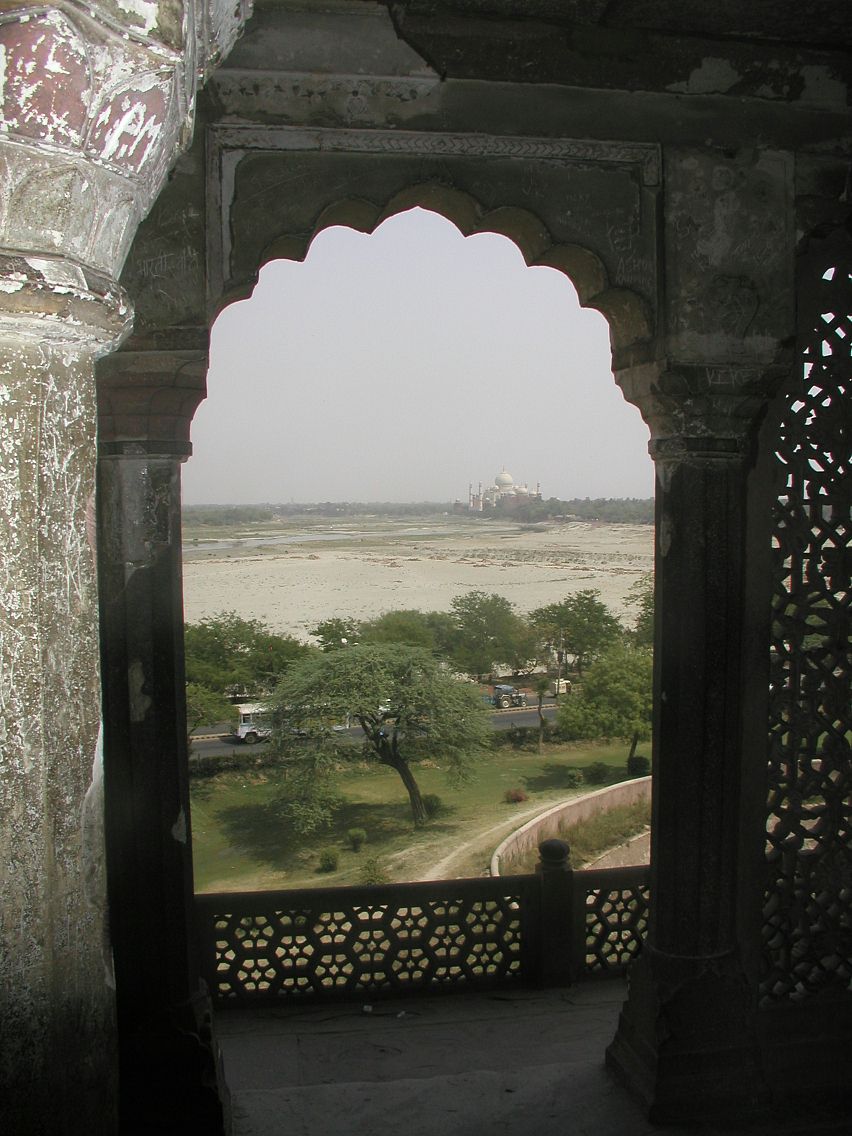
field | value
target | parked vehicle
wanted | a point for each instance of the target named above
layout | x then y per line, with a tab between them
252	726
505	696
560	686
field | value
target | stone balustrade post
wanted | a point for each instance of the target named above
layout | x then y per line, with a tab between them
558	964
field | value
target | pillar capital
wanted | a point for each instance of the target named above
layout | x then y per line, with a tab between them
146	402
702	412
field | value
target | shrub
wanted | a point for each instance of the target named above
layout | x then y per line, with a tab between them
638	765
328	860
433	804
307	805
596	774
372	872
571	779
515	796
356	837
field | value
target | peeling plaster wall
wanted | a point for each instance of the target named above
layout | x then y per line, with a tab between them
55	996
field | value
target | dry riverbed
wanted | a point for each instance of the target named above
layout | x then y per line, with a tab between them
293	578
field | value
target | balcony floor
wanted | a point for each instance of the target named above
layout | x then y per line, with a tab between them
508	1063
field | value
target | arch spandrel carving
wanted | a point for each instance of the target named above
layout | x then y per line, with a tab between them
584	208
729	237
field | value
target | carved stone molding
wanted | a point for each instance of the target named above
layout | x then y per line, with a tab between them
586	207
52	300
644	155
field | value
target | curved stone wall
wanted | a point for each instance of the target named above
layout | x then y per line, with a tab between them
552	822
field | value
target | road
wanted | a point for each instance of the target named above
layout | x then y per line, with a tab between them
210	745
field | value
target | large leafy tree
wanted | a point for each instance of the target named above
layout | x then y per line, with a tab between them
581	624
406	702
205	707
431	630
231	655
641	598
616	699
488	630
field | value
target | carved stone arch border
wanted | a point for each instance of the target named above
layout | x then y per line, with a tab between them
585	208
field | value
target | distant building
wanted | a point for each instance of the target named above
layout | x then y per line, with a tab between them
503	493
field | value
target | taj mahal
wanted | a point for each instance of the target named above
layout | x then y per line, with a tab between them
503	492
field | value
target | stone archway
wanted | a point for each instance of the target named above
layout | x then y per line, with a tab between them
536	192
752	128
687	248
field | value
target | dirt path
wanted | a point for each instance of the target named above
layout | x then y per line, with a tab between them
441	869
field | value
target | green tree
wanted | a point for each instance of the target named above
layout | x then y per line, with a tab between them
616	699
205	706
489	631
540	685
641	597
431	630
228	654
580	624
404	699
332	634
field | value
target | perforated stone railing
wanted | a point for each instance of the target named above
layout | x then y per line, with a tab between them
614	917
399	939
807	929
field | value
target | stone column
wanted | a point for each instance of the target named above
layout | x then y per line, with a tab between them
146	402
687	1039
95	102
56	997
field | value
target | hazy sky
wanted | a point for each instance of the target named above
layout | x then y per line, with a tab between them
402	366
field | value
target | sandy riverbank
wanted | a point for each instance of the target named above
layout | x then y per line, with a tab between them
293	586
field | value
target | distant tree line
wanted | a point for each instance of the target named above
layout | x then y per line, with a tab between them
220	515
614	510
366	508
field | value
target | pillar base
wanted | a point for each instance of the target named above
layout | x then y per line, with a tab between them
692	1044
686	1041
168	1075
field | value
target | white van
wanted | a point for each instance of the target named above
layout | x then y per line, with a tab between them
252	725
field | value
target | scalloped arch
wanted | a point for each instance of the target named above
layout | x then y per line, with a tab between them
626	311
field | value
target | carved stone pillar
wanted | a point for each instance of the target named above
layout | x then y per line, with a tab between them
146	403
56	1001
687	1038
95	102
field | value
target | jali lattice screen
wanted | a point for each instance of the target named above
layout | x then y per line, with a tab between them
808	914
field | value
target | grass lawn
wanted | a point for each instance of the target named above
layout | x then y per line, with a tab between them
240	844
